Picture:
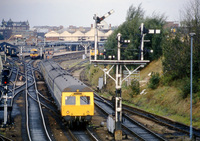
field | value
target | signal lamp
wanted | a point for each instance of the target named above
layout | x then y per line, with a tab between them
5	79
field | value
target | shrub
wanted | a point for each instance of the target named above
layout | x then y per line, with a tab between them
135	87
185	87
154	81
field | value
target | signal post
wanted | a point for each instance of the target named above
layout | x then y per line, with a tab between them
98	21
118	82
119	64
5	81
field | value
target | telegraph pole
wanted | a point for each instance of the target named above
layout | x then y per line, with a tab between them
191	61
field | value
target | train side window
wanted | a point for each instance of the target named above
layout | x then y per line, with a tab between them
70	100
84	100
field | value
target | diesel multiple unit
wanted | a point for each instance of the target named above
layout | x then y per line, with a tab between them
74	99
34	54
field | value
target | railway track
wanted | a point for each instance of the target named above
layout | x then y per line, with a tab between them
140	131
12	89
130	126
161	120
176	129
2	138
80	134
36	101
83	135
75	134
77	66
35	122
173	125
15	73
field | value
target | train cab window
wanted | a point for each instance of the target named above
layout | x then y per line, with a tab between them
70	100
84	100
33	52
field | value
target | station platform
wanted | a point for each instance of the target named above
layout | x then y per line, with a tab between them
54	55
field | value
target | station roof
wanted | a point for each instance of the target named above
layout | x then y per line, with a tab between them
52	34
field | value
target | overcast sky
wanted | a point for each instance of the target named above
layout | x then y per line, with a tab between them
81	12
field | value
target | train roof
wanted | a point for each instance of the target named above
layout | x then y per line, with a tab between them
63	79
34	49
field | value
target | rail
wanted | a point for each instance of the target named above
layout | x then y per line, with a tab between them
34	114
132	125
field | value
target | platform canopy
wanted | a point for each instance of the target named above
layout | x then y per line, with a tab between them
119	62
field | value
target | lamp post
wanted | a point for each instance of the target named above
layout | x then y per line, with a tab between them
191	60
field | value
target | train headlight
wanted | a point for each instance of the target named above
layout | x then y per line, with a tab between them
88	112
67	112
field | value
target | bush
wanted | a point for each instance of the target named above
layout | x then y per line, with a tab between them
154	81
135	87
185	87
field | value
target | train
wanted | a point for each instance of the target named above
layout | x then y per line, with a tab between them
34	54
73	98
92	52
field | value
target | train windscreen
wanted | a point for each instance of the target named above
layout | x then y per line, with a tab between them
70	100
84	100
33	52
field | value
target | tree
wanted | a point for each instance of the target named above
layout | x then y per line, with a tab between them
176	57
176	50
156	21
130	30
190	22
